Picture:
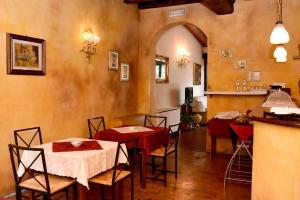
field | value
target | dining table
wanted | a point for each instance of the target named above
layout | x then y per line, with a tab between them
81	163
150	138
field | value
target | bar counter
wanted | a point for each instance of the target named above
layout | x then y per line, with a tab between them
276	159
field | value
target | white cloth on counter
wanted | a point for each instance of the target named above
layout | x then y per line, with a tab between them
285	110
132	129
81	165
228	115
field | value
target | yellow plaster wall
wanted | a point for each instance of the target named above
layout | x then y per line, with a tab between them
276	162
72	89
246	32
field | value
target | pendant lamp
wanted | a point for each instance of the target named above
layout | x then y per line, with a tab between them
279	34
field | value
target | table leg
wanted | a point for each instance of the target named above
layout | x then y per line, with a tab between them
82	190
213	145
144	156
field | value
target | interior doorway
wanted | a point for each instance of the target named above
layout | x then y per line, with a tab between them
184	47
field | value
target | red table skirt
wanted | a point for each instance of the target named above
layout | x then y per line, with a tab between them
149	141
219	127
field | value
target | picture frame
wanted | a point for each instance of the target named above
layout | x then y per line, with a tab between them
113	60
25	55
162	69
226	53
240	64
196	74
124	72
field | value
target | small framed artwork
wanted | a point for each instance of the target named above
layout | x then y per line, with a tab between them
124	74
162	69
240	64
226	53
25	55
196	74
113	60
254	76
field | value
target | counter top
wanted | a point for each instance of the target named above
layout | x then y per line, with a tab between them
290	123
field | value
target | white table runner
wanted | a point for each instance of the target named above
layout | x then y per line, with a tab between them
81	165
132	129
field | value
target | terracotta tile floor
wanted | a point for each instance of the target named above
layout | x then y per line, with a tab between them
199	177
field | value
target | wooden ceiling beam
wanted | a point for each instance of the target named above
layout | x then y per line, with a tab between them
220	7
197	33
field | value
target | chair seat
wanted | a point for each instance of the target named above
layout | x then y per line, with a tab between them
160	152
56	183
105	178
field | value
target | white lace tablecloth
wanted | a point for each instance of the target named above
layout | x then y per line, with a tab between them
81	165
132	129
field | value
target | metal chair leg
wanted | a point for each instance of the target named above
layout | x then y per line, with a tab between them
132	187
153	165
102	193
176	164
165	171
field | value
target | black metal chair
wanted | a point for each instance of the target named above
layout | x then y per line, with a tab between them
95	125
163	152
42	183
120	171
155	121
28	136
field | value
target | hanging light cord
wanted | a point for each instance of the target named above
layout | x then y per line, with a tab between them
279	10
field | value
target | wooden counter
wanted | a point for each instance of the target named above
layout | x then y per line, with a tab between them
276	159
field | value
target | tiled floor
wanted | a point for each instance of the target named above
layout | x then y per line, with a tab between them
199	176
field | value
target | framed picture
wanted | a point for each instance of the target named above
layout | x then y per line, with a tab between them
226	53
124	74
240	64
196	74
113	60
25	55
162	69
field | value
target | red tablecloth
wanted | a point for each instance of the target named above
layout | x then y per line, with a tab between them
67	146
243	131
149	141
219	127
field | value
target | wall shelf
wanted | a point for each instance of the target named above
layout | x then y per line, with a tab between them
232	93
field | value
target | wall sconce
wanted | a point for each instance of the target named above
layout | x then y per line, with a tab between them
279	36
90	43
183	57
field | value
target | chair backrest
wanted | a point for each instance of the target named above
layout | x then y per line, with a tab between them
155	121
39	156
173	136
28	137
95	125
129	149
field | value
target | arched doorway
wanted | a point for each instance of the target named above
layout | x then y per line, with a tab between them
199	35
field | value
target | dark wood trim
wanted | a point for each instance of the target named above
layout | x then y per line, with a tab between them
220	7
290	123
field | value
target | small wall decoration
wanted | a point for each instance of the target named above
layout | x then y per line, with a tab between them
254	76
240	64
124	75
25	55
196	74
226	53
113	60
298	56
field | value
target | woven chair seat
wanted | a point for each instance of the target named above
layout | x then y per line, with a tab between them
160	152
105	178
56	183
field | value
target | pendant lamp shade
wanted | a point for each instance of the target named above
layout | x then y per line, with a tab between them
279	34
280	52
281	59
